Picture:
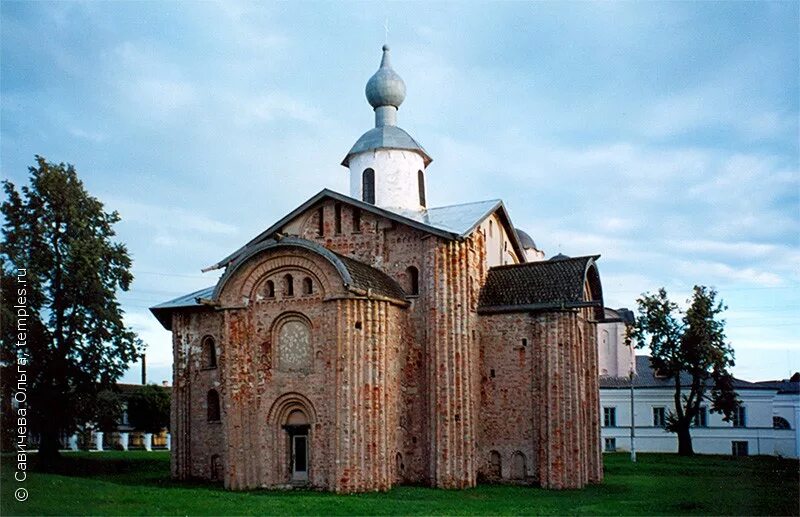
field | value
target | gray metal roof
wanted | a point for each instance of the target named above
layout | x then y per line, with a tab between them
459	219
646	378
187	300
354	274
386	137
448	222
163	311
525	239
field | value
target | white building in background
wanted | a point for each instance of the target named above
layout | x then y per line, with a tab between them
768	421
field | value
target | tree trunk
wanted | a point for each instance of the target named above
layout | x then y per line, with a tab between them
48	456
684	440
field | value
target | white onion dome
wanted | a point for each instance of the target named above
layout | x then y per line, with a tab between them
385	87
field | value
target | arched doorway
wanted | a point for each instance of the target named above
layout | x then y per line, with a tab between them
297	427
291	421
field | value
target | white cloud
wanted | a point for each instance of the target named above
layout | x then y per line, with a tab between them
176	220
92	136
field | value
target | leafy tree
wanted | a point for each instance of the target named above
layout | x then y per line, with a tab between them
61	236
107	409
688	348
148	408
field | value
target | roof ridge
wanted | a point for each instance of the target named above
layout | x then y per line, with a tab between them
494	200
551	262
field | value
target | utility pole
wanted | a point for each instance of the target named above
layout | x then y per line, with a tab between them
633	423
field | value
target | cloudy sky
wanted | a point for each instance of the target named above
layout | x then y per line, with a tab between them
663	136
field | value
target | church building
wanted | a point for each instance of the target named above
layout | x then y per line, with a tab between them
371	340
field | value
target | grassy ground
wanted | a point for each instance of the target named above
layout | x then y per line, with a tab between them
137	483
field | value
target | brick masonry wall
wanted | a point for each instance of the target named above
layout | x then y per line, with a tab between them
407	397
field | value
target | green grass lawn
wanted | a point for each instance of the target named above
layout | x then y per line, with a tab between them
138	483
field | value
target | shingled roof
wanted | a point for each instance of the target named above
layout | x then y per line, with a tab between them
545	285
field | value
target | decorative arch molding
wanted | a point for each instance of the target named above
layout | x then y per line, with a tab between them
281	260
594	288
285	404
279	265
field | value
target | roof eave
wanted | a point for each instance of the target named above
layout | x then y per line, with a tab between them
536	307
425	158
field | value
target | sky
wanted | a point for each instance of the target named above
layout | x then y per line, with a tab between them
662	136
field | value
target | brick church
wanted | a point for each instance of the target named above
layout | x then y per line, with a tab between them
370	340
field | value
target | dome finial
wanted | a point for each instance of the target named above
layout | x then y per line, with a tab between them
385	91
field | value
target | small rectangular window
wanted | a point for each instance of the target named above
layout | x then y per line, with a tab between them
320	221
609	417
659	417
701	418
740	448
610	445
740	417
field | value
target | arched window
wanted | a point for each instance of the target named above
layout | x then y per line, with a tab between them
269	291
308	286
288	285
778	422
209	352
294	344
421	187
368	186
413	280
212	401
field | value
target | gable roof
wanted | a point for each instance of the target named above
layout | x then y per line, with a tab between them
549	284
646	378
448	222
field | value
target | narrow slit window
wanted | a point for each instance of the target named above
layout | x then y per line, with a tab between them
421	187
320	221
308	286
413	280
213	406
270	290
356	220
337	218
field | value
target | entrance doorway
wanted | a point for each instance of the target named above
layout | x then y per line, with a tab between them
300	457
297	428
